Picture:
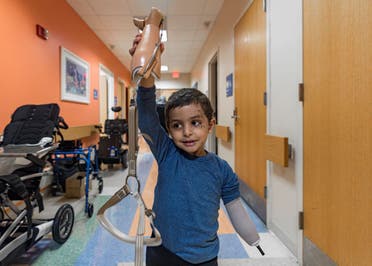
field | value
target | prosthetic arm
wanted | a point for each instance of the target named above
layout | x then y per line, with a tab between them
146	58
243	224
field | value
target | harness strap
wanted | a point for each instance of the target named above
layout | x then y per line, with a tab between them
19	188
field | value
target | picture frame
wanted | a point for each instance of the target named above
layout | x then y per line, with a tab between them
75	78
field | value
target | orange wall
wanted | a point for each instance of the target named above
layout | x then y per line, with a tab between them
30	66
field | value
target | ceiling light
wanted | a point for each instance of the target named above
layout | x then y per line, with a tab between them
164	68
164	36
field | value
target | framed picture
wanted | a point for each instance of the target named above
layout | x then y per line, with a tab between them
75	78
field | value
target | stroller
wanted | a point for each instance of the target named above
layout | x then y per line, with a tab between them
111	150
26	147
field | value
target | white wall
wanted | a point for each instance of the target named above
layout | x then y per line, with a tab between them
167	82
221	41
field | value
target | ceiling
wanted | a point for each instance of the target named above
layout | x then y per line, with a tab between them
188	23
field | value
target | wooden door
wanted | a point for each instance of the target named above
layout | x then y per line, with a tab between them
338	129
250	84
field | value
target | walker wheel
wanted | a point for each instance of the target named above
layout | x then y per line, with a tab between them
63	223
90	210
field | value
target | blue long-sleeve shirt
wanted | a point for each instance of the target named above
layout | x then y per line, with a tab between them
188	191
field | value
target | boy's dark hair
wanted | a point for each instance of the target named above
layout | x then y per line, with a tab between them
188	96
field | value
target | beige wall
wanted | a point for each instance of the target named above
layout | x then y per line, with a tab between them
167	82
221	41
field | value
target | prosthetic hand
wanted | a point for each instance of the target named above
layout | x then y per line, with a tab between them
243	224
146	52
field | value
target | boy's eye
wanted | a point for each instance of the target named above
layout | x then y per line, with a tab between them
196	123
176	125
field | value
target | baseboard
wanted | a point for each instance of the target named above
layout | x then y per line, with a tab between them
314	256
283	238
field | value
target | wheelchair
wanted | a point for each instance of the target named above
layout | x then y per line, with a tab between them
27	144
111	144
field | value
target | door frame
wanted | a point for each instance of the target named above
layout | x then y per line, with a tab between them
104	71
213	97
294	131
124	98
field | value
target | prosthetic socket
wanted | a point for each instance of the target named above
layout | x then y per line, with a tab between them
146	59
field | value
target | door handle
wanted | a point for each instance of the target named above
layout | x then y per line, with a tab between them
235	114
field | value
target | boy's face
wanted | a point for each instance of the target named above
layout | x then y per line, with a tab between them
189	128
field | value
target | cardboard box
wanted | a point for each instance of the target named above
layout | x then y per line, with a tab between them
75	186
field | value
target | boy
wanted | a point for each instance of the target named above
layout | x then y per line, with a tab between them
191	181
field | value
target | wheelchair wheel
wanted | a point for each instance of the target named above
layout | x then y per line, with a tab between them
124	159
63	223
100	185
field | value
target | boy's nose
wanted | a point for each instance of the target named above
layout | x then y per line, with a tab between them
187	130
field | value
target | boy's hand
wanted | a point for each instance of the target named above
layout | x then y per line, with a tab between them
149	82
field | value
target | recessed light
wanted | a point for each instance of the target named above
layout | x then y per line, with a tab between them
164	68
164	35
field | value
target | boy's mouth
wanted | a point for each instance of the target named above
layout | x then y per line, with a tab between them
188	143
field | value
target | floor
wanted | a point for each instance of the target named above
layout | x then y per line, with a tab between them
90	244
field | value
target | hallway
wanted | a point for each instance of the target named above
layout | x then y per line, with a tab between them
90	244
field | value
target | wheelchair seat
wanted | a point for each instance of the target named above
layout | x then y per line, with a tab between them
31	123
111	150
116	127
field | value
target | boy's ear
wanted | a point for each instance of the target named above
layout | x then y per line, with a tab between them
212	123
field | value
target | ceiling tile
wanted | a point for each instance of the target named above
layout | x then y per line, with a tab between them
172	53
105	36
189	7
93	22
205	22
110	7
200	35
143	7
117	22
180	45
81	7
125	35
183	22
212	7
196	45
178	35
